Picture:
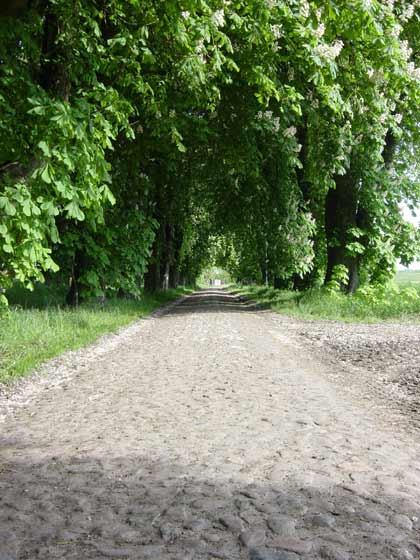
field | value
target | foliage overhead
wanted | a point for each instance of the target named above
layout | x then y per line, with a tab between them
141	141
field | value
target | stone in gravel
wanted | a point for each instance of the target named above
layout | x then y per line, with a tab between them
402	522
264	553
249	493
281	525
232	522
406	555
291	506
322	520
252	538
208	504
148	551
329	553
111	551
199	524
169	533
268	508
292	545
373	516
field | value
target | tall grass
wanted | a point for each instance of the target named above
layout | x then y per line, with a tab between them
31	336
369	304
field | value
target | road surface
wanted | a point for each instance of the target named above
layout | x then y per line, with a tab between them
205	432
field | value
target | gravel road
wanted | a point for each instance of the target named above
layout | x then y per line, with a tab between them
209	431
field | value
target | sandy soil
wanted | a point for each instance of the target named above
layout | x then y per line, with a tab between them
211	431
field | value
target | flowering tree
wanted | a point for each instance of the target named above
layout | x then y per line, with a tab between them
135	134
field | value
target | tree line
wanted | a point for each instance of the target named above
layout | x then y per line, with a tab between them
142	140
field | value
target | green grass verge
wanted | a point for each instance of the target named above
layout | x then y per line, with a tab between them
29	337
368	305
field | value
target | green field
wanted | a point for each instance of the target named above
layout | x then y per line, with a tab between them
407	277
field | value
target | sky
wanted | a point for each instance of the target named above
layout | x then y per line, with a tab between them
414	220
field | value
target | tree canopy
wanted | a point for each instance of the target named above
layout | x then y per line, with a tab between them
141	140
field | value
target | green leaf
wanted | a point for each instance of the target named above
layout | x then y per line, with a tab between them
43	146
74	211
45	174
7	206
26	207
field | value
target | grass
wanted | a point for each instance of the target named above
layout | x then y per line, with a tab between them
371	304
30	336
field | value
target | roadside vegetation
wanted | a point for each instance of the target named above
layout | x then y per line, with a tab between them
36	328
398	301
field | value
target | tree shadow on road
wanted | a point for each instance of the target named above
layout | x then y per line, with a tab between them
137	507
216	301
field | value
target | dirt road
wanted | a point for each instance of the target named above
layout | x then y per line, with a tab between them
207	432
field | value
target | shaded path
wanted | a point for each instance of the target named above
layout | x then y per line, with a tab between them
205	433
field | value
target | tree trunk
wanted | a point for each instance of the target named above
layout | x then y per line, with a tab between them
53	75
340	216
73	294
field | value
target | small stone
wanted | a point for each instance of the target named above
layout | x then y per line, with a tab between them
267	508
252	538
130	537
148	551
329	553
115	552
281	525
406	555
169	533
373	516
199	524
322	520
292	545
402	522
269	554
233	523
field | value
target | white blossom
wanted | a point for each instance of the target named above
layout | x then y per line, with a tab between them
398	118
185	14
276	30
290	132
268	117
329	52
271	4
219	18
200	46
406	51
304	8
407	13
396	30
413	71
320	30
